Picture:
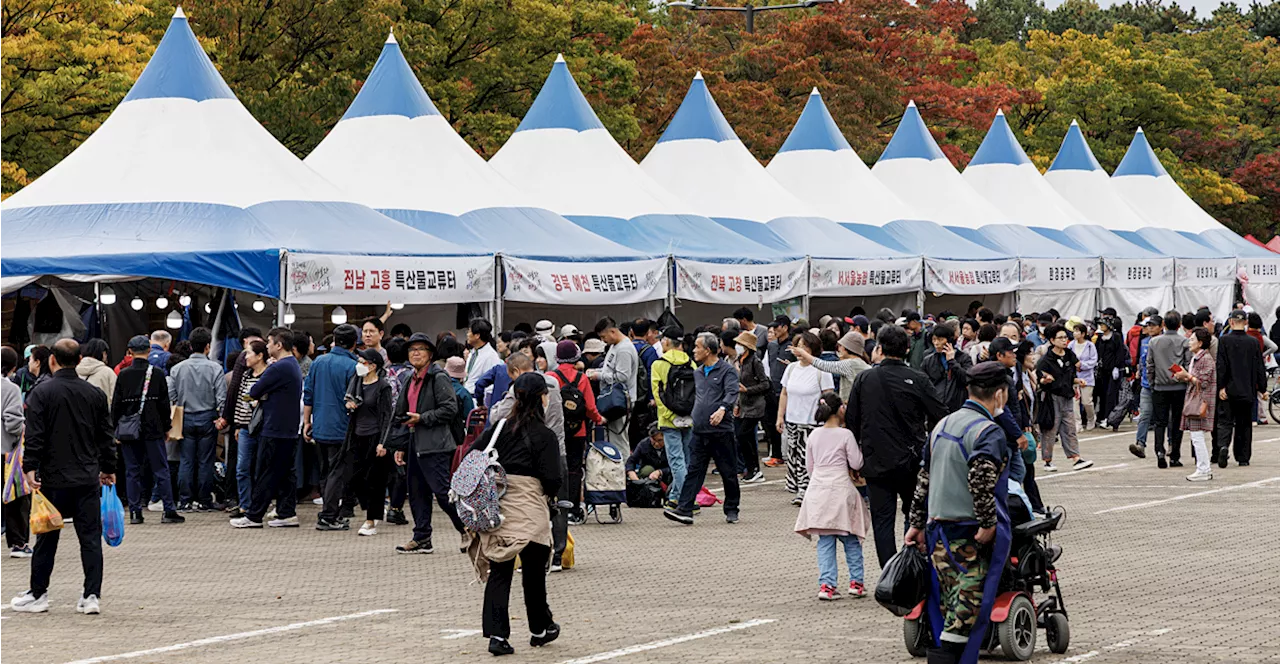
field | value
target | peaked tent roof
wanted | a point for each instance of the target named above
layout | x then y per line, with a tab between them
818	165
563	152
733	188
180	182
1001	171
396	153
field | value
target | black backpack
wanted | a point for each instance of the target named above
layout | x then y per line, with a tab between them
574	403
679	391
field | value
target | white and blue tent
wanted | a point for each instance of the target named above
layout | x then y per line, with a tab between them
395	152
182	183
1134	277
819	167
563	152
1051	275
701	159
1143	181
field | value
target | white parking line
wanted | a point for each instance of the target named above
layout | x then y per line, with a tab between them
654	645
1127	643
1153	503
233	637
1074	473
459	633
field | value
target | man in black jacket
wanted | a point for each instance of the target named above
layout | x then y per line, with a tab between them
149	449
69	455
1241	377
426	406
947	369
891	409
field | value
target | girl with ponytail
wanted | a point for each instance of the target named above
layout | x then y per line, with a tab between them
833	509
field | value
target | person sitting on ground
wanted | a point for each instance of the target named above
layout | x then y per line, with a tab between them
649	459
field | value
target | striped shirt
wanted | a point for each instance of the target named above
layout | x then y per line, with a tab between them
244	409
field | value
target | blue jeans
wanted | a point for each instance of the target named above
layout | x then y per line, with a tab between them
150	453
1145	409
677	443
199	443
829	567
246	456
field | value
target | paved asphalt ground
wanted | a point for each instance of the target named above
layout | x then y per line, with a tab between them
1155	569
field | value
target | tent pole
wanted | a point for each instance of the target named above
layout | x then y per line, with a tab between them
808	278
280	301
671	283
499	278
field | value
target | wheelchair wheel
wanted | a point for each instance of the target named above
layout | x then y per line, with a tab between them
1057	632
1018	632
917	635
1273	405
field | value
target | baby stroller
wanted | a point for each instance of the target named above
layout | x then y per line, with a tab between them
1015	616
605	477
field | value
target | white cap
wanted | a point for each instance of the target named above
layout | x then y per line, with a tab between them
544	326
568	330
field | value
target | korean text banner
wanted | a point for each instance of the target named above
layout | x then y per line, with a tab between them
970	277
1137	273
737	283
1059	273
345	279
617	282
834	277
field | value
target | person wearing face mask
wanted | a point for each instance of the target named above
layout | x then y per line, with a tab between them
959	517
1112	362
753	389
362	462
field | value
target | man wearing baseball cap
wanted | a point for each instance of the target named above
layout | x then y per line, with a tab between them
1241	377
1150	327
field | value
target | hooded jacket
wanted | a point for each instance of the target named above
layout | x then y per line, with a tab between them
658	379
98	375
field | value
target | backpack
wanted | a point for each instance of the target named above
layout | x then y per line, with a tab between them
574	403
643	386
679	391
478	486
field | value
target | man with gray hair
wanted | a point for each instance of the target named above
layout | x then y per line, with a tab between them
716	383
731	324
159	355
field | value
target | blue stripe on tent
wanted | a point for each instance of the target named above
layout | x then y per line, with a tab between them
531	233
1171	243
759	233
933	240
1000	146
253	271
822	238
1020	241
179	68
1224	240
912	140
1074	155
1060	237
1096	239
391	89
815	130
698	117
560	104
1140	159
683	235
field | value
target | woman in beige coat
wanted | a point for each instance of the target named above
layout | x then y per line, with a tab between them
94	367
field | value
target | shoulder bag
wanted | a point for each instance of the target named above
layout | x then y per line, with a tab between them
129	428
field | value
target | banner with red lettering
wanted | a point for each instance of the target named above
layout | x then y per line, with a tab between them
615	282
970	277
835	278
342	279
738	283
1059	273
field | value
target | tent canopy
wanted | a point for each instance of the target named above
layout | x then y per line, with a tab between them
396	153
180	182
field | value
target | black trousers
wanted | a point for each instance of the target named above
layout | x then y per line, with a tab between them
331	457
748	448
275	472
883	494
1106	394
1235	418
429	478
1166	415
17	522
497	592
83	505
397	487
718	445
771	432
575	450
1029	485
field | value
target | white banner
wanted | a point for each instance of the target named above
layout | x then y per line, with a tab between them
354	279
1059	273
1137	273
740	283
1259	271
614	282
970	277
834	277
1204	272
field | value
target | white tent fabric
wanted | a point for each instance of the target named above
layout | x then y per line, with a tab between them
180	182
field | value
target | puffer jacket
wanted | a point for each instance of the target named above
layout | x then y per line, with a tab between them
98	375
752	376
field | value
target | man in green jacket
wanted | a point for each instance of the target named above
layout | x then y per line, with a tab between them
677	430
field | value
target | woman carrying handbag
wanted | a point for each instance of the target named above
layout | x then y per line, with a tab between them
1197	410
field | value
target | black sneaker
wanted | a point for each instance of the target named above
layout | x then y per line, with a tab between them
185	507
325	524
173	517
414	546
731	517
1138	450
135	518
397	517
499	647
236	513
551	634
615	513
678	516
1242	463
1161	462
347	512
576	516
1175	464
1223	457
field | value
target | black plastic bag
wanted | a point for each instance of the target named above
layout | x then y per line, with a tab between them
904	582
644	493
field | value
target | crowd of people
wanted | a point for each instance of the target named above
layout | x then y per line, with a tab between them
372	417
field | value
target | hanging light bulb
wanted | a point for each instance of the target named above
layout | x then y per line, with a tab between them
107	296
339	316
174	320
289	316
184	300
136	303
259	305
208	308
397	305
162	302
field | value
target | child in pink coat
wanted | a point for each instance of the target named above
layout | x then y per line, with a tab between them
832	508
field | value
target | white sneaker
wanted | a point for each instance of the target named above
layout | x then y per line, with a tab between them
291	522
269	516
244	522
157	506
88	605
317	501
1081	464
1199	477
1050	468
28	603
368	529
757	477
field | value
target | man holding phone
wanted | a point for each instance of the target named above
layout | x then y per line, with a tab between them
947	369
1167	354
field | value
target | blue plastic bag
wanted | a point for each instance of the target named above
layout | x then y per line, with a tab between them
112	516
